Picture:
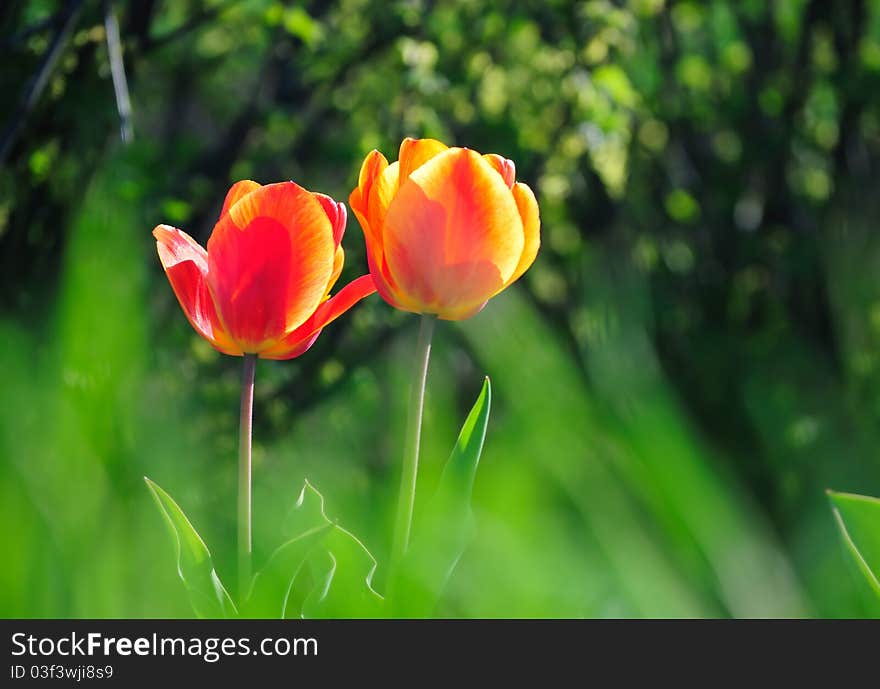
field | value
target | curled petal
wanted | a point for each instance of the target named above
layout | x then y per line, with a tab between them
338	262
359	198
381	193
328	311
237	191
531	220
373	168
338	304
504	166
374	165
335	213
186	265
453	234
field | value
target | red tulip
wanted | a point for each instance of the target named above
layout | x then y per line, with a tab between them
263	285
446	228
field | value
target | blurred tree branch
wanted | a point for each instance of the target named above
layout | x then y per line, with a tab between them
117	71
65	23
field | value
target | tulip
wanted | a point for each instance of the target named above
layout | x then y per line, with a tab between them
262	289
446	228
263	285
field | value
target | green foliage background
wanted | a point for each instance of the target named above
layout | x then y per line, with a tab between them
692	360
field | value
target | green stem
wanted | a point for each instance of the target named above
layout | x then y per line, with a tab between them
245	431
407	497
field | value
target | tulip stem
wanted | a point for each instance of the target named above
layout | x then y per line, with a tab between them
245	431
407	497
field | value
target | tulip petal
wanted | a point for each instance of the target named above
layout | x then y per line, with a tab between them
453	234
327	312
382	280
249	276
237	191
462	313
376	186
373	166
531	220
270	259
186	265
339	303
504	166
338	262
381	194
416	152
336	213
290	349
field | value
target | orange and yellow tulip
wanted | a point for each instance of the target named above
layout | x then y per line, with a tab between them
446	228
263	285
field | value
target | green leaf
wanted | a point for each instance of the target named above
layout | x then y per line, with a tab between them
858	517
306	513
445	529
270	590
323	570
344	585
271	586
207	594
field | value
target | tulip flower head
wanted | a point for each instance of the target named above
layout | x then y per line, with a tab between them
263	285
446	228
